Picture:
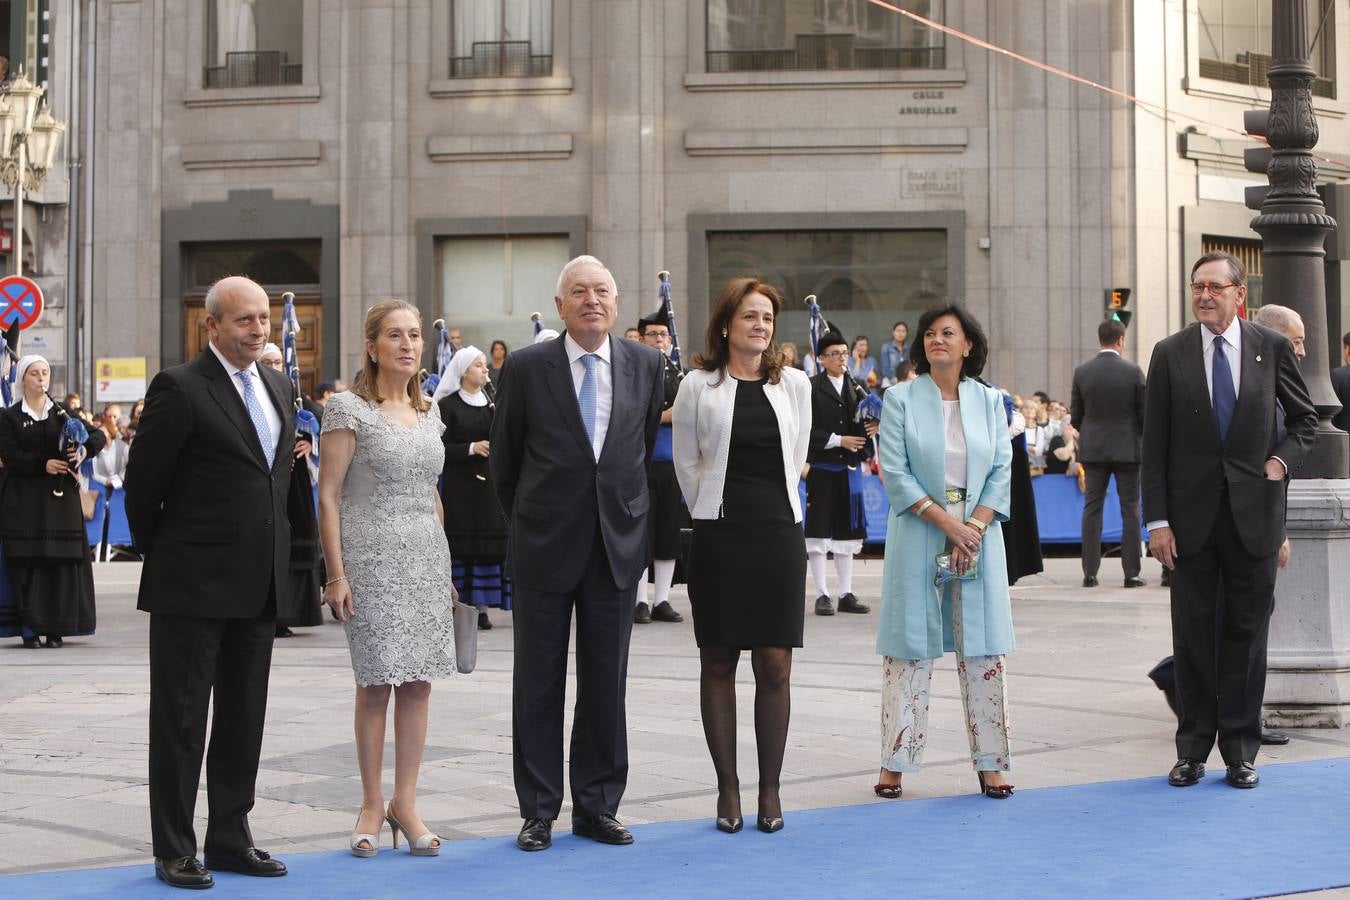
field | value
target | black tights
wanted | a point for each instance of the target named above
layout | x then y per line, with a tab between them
773	705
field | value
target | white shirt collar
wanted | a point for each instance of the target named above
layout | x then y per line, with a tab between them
1232	335
33	414
575	351
475	399
837	382
230	368
1108	350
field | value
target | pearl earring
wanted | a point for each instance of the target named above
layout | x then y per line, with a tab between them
724	332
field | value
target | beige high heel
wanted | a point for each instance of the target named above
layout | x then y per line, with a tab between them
373	840
428	844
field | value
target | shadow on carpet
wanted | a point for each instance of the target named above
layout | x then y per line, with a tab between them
1113	839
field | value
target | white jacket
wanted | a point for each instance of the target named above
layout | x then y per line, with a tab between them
701	427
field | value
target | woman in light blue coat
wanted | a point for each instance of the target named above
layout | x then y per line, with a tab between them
945	461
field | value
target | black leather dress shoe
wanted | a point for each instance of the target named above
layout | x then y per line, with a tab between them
1243	775
251	862
664	612
1135	582
484	623
642	614
1186	772
850	604
1089	581
183	872
1166	579
823	606
1273	738
535	834
603	828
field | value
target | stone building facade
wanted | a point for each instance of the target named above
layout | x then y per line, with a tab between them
456	152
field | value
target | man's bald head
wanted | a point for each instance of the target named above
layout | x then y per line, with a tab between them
1286	322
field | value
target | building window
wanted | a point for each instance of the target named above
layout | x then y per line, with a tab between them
1247	250
253	43
810	35
501	38
1234	40
488	286
864	280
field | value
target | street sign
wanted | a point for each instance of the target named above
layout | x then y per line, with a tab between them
20	302
119	379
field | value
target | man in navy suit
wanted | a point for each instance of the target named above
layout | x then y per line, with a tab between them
571	445
1340	382
1214	474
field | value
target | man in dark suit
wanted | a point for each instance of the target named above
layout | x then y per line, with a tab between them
206	491
571	443
1107	408
1340	382
1214	473
835	522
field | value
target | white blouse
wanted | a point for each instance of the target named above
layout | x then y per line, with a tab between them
954	435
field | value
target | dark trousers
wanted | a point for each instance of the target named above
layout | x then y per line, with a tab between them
1127	486
599	751
190	660
1222	598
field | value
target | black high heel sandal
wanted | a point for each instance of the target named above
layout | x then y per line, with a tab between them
994	791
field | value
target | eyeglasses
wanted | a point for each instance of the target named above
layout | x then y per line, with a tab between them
835	354
652	332
1215	288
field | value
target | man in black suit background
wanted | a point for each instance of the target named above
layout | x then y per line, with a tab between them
1214	473
1107	408
1340	382
206	487
572	441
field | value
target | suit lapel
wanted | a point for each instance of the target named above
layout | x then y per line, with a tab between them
1193	370
559	383
224	393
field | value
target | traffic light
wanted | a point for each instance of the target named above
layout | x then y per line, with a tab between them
1116	301
1256	159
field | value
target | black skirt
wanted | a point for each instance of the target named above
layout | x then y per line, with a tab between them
668	514
1021	535
830	509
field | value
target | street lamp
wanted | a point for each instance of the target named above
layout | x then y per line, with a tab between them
29	138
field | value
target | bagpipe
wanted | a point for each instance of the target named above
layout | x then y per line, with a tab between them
667	304
74	433
306	425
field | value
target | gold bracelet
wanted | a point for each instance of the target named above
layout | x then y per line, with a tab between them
335	580
979	526
927	502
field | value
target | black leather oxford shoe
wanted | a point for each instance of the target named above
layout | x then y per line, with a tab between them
1089	581
1186	772
1135	582
664	612
603	828
183	872
1243	775
851	604
535	834
251	862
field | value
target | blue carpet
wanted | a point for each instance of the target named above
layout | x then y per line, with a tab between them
1113	839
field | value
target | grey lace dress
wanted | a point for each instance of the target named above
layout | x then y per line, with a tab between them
393	547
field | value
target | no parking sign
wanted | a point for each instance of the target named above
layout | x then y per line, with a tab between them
20	302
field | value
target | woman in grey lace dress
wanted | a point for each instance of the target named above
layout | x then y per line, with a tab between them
388	565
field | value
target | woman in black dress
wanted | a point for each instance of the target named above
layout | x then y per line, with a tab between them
46	548
741	426
474	524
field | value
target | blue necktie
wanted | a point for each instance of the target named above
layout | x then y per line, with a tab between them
255	412
587	399
1225	399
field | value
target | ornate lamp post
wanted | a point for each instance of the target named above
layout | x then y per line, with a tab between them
29	139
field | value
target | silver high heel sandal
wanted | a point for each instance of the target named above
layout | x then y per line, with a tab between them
428	844
372	840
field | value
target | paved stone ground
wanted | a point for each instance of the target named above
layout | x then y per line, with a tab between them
73	724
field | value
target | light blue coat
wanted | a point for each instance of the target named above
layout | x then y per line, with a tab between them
916	621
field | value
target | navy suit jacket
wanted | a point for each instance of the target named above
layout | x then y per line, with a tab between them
554	492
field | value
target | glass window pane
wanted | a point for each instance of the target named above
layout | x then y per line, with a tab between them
490	285
254	42
864	280
1235	41
761	35
494	38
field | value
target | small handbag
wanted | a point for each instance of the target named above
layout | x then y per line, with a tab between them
466	637
945	573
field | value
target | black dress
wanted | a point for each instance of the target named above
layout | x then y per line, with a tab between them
747	570
46	547
474	524
1021	535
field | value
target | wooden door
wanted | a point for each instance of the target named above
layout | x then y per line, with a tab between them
308	343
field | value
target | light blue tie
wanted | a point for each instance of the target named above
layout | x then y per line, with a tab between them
255	412
1225	399
587	398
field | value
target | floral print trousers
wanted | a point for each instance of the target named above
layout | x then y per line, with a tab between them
904	706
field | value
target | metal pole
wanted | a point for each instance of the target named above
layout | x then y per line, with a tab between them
1293	224
18	206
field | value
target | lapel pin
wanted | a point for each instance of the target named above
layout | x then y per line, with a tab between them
1258	357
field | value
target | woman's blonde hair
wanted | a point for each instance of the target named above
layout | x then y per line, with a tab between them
365	385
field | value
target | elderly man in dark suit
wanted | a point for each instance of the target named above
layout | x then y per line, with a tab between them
1107	407
1340	382
1214	474
571	445
206	491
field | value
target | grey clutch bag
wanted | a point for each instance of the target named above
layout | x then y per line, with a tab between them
466	637
944	573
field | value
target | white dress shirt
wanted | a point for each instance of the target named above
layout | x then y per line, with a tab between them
259	390
604	385
1232	336
835	440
